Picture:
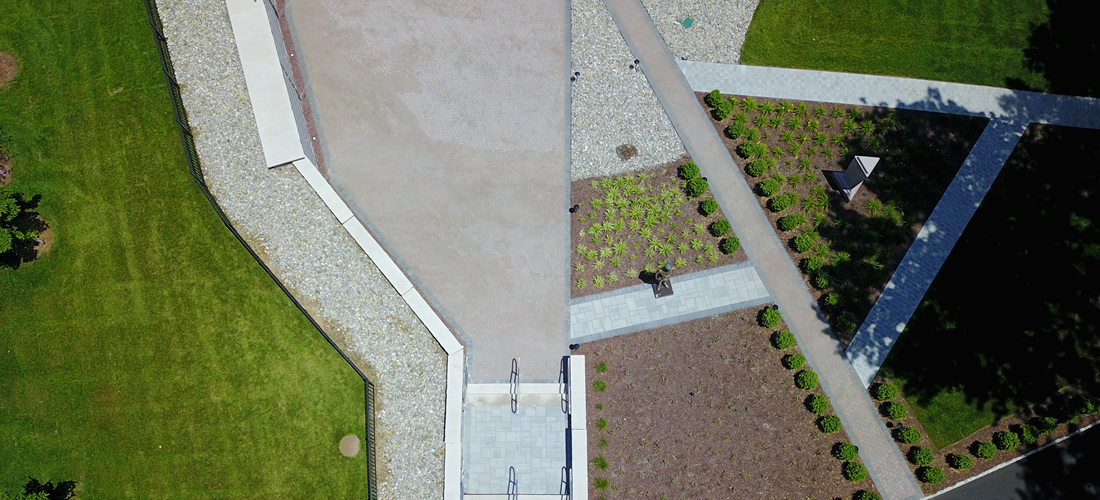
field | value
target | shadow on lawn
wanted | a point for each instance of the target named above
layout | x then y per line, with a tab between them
1058	48
25	220
1012	316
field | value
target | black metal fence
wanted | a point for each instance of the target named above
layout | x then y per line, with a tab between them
196	173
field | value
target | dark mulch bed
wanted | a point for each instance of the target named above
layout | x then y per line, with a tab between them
705	409
920	153
583	193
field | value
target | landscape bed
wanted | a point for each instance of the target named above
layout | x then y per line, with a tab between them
630	225
846	251
708	409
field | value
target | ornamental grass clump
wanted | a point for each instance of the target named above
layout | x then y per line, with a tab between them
885	391
930	475
689	171
983	449
720	228
599	386
845	451
829	424
854	471
729	245
793	361
1006	440
767	187
817	403
920	455
1045	425
894	410
907	435
769	318
959	462
806	380
784	340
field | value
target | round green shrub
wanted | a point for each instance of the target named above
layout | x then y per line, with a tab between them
713	98
720	228
831	301
599	385
805	242
821	281
894	410
983	449
907	435
885	391
959	462
736	130
846	321
1045	425
783	340
866	495
845	451
708	206
791	222
817	403
767	187
1006	440
793	361
769	318
696	187
782	202
723	110
1028	433
689	171
920	455
930	475
750	147
854	471
729	245
812	264
806	380
757	167
829	424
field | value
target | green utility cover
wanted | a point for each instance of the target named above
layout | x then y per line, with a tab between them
687	22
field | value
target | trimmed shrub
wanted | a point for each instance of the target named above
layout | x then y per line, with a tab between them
845	451
767	187
805	379
736	130
920	455
782	202
689	171
791	222
894	410
1028	434
729	245
696	187
817	403
812	264
723	110
831	301
854	471
708	206
757	167
983	449
829	424
805	242
866	495
599	385
885	391
959	462
1006	440
720	228
793	361
783	340
846	321
907	435
930	475
769	318
1045	425
821	281
751	148
713	98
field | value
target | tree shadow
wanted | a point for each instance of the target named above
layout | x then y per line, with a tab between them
60	491
1062	48
24	250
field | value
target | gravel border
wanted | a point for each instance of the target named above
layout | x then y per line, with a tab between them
717	31
278	213
612	104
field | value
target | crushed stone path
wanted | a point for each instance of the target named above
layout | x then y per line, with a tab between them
884	461
696	295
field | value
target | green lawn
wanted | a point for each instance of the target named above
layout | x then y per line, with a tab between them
970	41
146	355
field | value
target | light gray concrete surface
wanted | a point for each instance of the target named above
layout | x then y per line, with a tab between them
696	295
443	125
532	440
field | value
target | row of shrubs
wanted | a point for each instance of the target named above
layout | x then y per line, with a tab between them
695	187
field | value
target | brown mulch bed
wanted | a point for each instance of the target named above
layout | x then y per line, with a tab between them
583	193
8	69
918	159
705	409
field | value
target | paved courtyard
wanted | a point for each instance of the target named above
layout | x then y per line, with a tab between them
444	127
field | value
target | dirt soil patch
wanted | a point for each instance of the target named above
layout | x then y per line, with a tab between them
8	69
618	257
705	409
5	169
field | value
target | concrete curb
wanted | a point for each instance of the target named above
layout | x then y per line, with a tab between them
577	450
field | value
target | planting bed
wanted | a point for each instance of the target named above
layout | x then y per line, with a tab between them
629	226
706	409
849	249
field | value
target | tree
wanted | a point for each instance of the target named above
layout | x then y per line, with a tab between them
15	227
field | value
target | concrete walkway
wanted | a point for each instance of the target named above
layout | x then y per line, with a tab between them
697	295
840	382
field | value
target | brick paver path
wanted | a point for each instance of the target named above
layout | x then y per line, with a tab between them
881	456
697	295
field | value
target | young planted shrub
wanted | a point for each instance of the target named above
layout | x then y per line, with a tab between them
885	391
767	187
817	403
983	449
751	148
831	301
854	471
791	222
601	483
894	410
920	455
805	242
723	110
736	130
720	228
696	187
782	202
601	424
757	167
729	245
600	463
599	385
930	475
793	361
907	435
1045	425
866	495
689	171
769	318
708	206
713	98
806	380
812	264
959	462
829	424
784	340
821	281
1028	433
601	367
845	451
1006	440
846	321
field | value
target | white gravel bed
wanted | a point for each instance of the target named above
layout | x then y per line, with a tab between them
717	31
278	213
612	105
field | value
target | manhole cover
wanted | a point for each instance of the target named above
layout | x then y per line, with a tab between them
349	445
626	151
